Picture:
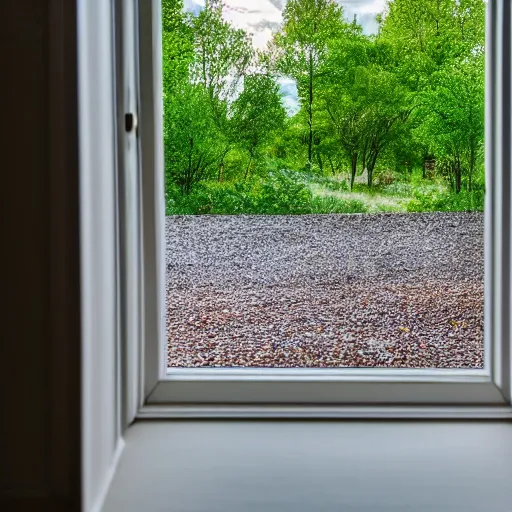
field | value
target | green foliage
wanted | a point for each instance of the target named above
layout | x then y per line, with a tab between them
399	189
447	202
302	46
333	185
279	194
405	107
324	205
257	114
177	46
190	138
439	47
222	53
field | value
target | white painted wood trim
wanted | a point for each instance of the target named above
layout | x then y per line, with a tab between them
223	386
328	375
153	359
312	412
352	392
498	201
98	505
99	362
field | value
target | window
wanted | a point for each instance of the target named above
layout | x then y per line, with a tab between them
317	177
159	392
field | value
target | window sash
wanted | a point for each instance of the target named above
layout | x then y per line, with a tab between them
436	392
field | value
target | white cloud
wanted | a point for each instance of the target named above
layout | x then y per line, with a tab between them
365	11
364	6
256	18
289	93
193	5
260	18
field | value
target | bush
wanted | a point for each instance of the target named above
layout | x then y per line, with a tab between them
321	205
282	195
279	194
447	202
286	192
398	188
212	198
333	185
386	178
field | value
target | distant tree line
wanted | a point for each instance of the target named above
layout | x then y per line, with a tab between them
395	101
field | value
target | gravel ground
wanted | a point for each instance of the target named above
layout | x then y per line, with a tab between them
389	290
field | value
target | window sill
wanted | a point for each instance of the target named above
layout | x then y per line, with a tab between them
265	465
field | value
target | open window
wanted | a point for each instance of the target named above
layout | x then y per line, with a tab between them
155	390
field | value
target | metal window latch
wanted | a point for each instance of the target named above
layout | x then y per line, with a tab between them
130	122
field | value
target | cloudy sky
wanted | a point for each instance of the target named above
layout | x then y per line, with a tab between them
261	18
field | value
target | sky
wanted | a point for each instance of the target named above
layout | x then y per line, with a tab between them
261	18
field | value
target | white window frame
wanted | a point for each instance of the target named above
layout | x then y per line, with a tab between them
351	393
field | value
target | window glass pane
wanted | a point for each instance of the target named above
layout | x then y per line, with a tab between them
325	185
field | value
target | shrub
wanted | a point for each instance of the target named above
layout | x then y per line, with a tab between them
447	202
398	188
334	185
386	178
279	194
282	195
331	204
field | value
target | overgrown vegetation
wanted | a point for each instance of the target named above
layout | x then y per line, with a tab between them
386	122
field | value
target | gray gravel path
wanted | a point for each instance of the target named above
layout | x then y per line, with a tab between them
392	290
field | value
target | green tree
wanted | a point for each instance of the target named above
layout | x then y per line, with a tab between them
222	57
257	114
184	134
439	45
223	54
387	109
190	139
364	98
454	110
177	46
302	45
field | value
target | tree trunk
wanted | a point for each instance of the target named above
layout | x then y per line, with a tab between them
331	165
365	149
310	111
354	169
187	182
221	165
320	162
371	166
472	162
458	177
248	168
205	80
